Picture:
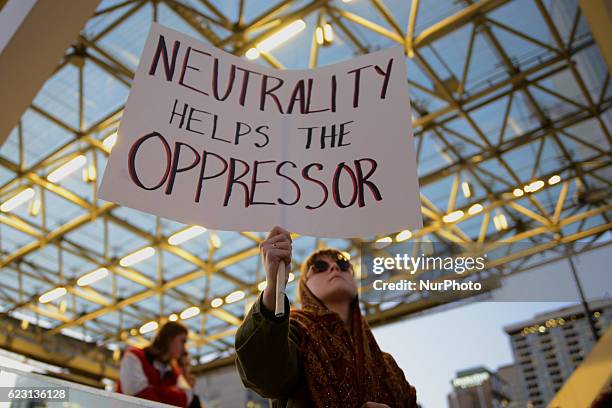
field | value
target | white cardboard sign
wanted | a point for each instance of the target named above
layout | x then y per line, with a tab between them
211	139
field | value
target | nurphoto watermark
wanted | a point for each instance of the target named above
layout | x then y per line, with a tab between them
443	271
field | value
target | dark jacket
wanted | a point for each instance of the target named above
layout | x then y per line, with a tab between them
267	357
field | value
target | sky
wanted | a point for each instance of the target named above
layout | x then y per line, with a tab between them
431	348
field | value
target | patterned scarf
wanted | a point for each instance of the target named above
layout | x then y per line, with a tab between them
343	369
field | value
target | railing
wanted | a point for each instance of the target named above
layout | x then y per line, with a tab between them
21	389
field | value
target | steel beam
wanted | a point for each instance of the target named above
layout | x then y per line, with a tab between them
79	357
598	13
35	34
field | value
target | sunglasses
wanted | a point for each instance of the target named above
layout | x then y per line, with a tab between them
322	266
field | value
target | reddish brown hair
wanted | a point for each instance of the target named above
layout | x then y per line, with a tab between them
165	335
330	252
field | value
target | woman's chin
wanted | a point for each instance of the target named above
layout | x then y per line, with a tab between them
340	289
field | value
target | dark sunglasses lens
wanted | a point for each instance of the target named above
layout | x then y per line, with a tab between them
343	265
320	266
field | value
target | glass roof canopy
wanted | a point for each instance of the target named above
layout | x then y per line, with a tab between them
512	121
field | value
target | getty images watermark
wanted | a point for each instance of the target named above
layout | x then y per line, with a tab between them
411	265
397	271
441	272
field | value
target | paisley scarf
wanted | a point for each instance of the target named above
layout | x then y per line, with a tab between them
346	369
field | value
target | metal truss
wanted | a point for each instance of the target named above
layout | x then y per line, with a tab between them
558	200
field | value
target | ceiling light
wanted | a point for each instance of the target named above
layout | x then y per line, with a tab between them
234	296
534	186
281	36
216	302
496	222
148	327
500	222
475	209
173	317
467	191
554	179
276	39
90	174
17	200
262	285
51	295
328	33
67	169
382	242
137	256
92	277
35	206
215	241
403	236
252	53
319	35
453	216
518	192
110	141
186	234
503	221
190	312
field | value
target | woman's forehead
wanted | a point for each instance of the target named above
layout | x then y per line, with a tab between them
330	258
324	258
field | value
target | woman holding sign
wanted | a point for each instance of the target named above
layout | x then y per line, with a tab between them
323	355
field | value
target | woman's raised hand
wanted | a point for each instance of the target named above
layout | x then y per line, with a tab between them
275	249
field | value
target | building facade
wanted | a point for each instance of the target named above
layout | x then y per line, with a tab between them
549	347
479	388
510	374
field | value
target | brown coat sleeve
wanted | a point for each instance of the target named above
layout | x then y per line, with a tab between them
408	392
267	352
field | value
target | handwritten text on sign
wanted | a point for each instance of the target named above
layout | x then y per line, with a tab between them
211	139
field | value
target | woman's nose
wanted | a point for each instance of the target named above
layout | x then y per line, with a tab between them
335	267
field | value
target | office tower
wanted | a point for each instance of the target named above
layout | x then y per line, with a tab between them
478	388
510	374
549	347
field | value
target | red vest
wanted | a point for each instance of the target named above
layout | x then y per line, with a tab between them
160	389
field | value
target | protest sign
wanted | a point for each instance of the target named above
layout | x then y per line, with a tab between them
212	139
